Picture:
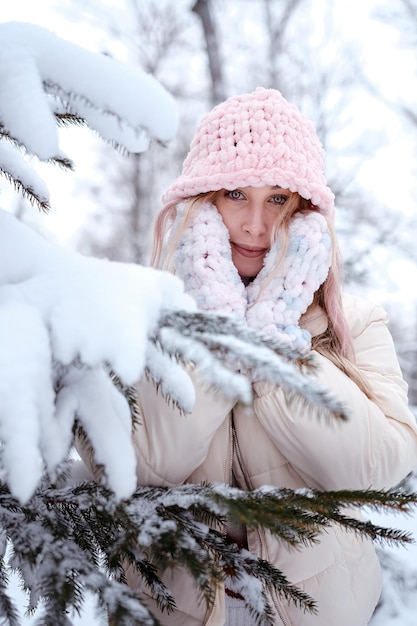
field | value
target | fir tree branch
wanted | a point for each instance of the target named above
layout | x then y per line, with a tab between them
7	609
26	191
5	134
62	162
69	100
300	516
66	120
131	395
233	342
71	540
200	323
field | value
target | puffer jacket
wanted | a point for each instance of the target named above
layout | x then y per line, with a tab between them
280	441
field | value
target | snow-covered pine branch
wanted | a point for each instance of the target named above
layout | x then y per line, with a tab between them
41	83
241	349
160	525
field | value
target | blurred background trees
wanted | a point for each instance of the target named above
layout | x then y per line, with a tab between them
206	50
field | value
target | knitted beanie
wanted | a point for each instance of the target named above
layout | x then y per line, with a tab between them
255	139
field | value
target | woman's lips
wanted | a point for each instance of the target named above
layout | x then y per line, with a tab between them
249	252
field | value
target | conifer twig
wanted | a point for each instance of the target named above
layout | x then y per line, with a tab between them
26	191
227	340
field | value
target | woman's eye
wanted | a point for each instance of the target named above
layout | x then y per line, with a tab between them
235	194
279	199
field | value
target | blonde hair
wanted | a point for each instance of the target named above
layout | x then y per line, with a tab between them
164	223
335	342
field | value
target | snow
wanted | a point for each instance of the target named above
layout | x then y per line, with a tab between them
25	368
108	88
174	377
41	73
66	321
25	112
12	162
62	317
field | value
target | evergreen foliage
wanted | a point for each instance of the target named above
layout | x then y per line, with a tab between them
70	540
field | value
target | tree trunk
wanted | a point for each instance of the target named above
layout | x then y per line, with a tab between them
202	9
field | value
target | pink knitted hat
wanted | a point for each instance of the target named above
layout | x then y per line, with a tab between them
255	139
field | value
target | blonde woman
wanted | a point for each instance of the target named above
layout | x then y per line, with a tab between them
248	227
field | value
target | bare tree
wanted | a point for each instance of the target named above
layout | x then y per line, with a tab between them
203	8
277	23
157	37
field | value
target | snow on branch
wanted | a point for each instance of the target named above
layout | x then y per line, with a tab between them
241	348
163	525
45	79
63	317
22	176
70	324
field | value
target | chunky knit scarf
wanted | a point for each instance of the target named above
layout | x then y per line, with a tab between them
203	260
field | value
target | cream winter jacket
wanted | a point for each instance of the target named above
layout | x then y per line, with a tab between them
281	441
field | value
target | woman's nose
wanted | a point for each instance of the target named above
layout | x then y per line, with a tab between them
255	223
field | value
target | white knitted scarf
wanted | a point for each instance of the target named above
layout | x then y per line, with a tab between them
203	260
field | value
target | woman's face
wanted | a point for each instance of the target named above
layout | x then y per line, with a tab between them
249	214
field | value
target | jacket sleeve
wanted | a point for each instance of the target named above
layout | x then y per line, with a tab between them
377	446
170	445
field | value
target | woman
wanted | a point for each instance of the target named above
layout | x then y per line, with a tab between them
248	226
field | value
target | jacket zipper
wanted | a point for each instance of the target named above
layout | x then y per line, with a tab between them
276	600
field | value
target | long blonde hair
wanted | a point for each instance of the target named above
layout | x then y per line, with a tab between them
335	342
